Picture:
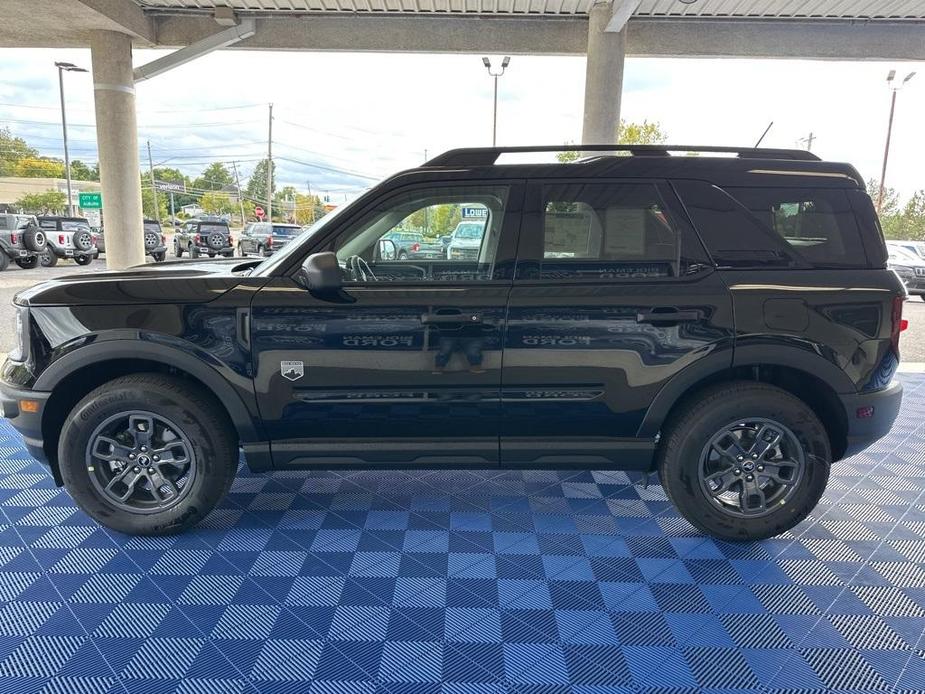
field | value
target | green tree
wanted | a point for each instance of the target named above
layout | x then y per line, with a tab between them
12	149
216	202
215	177
51	201
912	220
629	133
890	211
309	209
82	172
147	200
38	167
443	219
256	188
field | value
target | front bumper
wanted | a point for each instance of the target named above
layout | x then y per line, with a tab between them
24	409
870	415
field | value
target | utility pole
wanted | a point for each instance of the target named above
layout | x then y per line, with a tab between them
311	201
270	167
62	68
237	183
889	131
809	142
157	211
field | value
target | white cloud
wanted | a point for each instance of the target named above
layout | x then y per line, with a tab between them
376	113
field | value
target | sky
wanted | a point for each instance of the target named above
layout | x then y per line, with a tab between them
342	121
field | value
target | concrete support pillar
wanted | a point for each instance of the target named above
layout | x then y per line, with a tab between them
603	78
117	138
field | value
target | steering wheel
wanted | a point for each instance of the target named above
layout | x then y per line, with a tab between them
360	269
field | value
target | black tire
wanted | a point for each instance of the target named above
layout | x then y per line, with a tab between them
34	239
402	255
4	261
159	257
83	259
203	424
83	240
30	262
48	259
177	250
241	252
193	251
689	432
261	251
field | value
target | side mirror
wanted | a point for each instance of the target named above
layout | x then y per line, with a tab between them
321	273
386	250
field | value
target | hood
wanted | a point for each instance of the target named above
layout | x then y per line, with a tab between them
176	282
466	243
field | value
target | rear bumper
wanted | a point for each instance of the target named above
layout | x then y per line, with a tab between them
865	430
27	423
64	252
156	249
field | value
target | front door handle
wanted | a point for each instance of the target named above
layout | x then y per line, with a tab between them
668	314
456	318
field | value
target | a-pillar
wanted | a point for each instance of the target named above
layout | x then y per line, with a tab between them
117	139
603	78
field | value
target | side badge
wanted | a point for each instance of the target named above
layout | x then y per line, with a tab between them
292	370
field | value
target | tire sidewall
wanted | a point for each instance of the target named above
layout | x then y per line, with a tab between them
212	477
680	476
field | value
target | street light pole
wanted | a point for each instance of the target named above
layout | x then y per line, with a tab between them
494	116
889	131
69	67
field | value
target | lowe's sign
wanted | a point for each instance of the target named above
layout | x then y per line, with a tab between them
479	212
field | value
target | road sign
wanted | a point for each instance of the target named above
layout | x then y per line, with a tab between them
258	212
171	186
93	218
90	201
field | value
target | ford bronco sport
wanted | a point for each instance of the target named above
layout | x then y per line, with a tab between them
634	310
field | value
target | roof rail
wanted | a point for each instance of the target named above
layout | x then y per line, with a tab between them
486	156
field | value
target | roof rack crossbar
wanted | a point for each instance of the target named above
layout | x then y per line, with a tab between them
486	156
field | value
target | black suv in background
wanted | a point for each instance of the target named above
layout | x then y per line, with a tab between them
203	237
264	238
651	312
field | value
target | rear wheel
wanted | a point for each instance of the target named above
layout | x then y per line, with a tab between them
147	454
30	262
744	461
48	259
159	257
193	251
177	250
4	261
83	259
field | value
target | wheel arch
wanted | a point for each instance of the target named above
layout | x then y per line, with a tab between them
810	382
75	374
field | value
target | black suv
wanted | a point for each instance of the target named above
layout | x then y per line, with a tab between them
203	237
633	310
264	238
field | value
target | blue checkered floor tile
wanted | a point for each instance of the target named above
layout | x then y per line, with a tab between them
464	582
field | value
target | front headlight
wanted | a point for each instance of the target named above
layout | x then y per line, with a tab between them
21	333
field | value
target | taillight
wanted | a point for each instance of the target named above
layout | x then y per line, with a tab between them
197	238
163	240
899	324
230	240
269	242
415	247
14	239
61	239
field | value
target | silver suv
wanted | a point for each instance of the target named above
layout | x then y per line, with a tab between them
68	237
21	240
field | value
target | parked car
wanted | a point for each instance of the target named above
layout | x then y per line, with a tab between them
155	241
915	247
910	268
197	237
68	237
264	238
21	240
465	241
654	313
408	244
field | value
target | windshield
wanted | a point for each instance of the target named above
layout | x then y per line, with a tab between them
286	230
469	231
267	266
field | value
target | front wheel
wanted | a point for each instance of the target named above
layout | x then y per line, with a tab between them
147	454
744	461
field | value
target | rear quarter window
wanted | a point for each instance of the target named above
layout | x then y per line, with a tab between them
775	227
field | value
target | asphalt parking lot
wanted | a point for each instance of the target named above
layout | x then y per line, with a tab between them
15	279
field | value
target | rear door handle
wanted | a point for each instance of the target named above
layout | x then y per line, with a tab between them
668	314
444	318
